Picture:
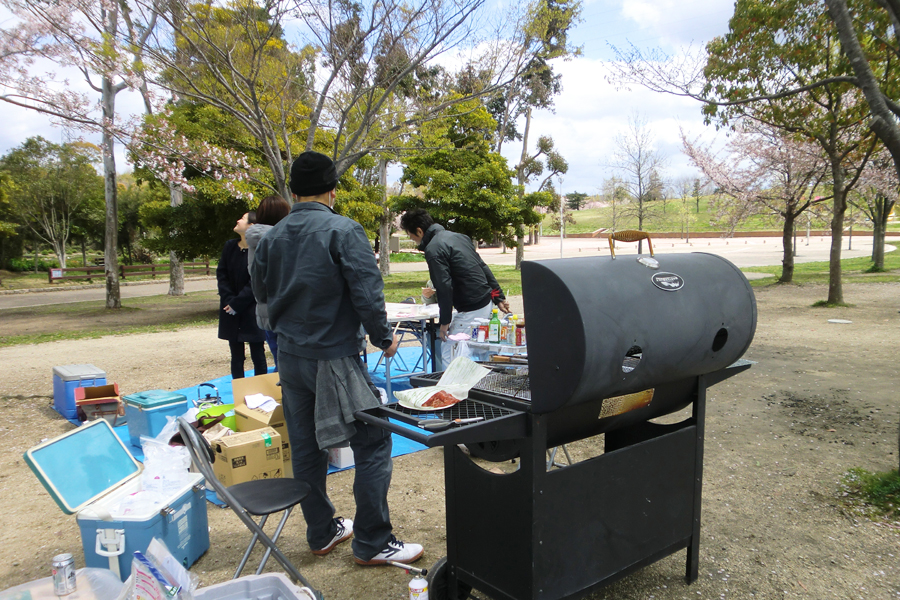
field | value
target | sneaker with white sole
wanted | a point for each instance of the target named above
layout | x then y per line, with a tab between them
396	551
344	533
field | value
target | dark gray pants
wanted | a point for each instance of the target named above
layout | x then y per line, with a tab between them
371	452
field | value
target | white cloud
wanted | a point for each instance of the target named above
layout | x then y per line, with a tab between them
676	23
591	112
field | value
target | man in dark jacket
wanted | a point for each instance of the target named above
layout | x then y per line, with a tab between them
460	278
317	273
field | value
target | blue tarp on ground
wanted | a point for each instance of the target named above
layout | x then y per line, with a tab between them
401	445
223	384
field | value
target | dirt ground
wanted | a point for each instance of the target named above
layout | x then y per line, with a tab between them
820	400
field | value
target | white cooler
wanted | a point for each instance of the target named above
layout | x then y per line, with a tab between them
88	471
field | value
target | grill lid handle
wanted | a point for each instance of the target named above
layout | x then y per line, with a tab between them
628	235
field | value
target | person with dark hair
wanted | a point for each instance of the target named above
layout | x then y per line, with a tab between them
237	317
270	211
316	271
459	277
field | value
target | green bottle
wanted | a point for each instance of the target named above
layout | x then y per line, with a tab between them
494	327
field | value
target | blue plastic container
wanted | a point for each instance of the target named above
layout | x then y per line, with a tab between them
89	471
147	411
66	379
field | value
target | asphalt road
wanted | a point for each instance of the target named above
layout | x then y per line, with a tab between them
743	252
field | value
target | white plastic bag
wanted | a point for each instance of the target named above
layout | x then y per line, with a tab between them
165	467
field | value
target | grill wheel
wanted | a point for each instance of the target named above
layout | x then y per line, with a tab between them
437	583
499	451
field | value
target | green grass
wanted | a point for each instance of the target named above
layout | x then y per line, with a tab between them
852	269
592	219
407	257
399	286
874	495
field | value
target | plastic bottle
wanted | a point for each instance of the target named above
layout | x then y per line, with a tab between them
494	327
511	330
520	333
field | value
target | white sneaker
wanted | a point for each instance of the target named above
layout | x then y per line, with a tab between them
396	551
344	533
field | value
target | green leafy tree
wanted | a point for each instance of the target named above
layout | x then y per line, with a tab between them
789	43
576	200
462	184
48	185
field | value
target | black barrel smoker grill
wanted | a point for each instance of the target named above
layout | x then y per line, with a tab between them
612	344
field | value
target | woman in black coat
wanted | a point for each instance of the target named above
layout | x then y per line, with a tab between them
237	319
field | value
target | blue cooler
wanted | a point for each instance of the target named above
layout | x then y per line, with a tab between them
89	471
66	379
147	411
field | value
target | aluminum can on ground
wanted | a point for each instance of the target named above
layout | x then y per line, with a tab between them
63	566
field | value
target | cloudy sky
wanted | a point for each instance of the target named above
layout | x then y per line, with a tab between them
588	114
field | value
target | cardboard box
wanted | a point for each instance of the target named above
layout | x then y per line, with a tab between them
340	458
100	402
248	456
250	419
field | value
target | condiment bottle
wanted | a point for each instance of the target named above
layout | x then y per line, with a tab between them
511	331
494	327
520	333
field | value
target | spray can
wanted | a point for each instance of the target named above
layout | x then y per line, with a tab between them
63	567
418	588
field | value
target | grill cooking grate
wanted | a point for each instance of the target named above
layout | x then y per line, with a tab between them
510	382
465	409
514	386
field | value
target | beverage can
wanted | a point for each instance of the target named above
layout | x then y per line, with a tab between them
63	567
418	588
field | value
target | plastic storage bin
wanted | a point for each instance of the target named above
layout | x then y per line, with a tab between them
88	472
66	379
271	586
147	411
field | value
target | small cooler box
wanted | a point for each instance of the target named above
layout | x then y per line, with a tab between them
147	411
89	471
66	379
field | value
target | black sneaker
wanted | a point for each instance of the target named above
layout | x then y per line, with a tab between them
344	533
396	551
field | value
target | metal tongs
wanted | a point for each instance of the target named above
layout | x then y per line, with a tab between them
442	424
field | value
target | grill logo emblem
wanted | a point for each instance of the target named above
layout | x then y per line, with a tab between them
669	282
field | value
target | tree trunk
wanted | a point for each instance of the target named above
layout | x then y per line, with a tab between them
520	248
787	240
384	228
83	253
59	248
176	266
110	250
835	285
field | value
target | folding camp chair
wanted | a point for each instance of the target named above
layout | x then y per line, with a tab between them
259	498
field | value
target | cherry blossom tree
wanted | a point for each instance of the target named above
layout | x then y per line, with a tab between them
99	40
764	170
876	196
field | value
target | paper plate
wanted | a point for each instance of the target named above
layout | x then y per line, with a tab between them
412	406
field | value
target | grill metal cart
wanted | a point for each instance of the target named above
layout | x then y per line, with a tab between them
613	344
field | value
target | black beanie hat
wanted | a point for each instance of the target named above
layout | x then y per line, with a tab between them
312	174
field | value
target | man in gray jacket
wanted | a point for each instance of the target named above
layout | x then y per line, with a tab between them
317	273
